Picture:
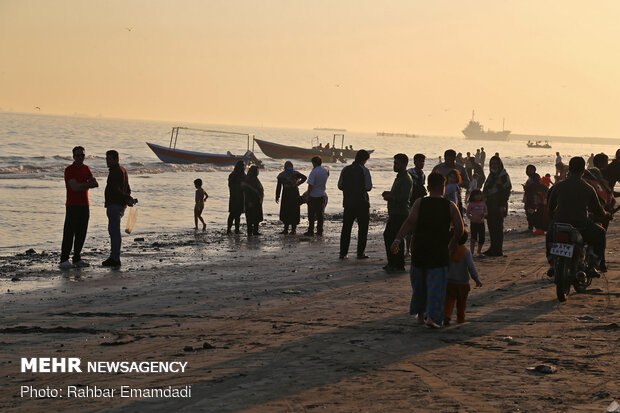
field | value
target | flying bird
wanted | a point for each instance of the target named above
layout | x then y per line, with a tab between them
37	108
128	28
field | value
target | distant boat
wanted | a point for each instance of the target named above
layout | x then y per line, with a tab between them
538	144
397	135
331	154
474	130
173	155
331	129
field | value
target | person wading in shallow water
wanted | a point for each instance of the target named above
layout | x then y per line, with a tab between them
78	180
117	198
430	220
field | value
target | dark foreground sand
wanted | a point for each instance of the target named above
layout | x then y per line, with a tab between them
295	329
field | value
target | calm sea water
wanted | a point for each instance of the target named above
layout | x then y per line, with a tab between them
35	149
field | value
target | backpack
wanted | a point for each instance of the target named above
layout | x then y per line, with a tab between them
605	196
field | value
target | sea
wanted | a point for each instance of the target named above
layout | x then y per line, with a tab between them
35	149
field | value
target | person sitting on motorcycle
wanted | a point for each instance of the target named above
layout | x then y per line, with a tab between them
569	202
594	176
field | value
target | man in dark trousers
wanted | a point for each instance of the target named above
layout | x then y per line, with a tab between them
78	180
570	201
316	196
355	182
398	211
117	198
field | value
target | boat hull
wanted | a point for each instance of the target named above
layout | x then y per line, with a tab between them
493	136
179	156
278	151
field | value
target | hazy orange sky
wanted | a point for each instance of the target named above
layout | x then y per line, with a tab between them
548	67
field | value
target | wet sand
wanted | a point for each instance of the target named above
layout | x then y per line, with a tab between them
286	326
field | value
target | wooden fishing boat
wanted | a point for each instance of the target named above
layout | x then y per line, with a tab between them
173	155
331	154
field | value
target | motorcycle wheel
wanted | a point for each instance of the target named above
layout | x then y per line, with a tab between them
562	286
580	286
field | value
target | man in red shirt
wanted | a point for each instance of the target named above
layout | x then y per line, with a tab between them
78	180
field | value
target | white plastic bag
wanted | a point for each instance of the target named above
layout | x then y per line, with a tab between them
131	219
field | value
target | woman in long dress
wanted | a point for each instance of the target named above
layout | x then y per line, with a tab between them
253	196
496	192
235	201
288	184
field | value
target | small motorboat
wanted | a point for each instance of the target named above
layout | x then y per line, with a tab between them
171	154
538	144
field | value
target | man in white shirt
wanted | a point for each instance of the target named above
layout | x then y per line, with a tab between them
316	196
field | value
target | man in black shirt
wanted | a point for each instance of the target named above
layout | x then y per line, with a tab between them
398	210
355	182
117	198
569	202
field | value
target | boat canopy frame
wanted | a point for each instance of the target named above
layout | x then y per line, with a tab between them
341	135
174	135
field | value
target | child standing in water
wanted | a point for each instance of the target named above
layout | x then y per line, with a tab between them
201	197
476	212
461	267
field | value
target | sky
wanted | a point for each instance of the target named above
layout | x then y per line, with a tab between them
409	66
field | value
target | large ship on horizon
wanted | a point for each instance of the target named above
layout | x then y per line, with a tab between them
474	130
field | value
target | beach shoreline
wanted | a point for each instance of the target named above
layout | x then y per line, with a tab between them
280	324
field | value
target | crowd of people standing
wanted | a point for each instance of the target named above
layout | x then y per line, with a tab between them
424	214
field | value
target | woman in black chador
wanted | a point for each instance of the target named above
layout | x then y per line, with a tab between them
288	182
235	202
496	192
253	193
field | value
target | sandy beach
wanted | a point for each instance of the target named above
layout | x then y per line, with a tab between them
288	327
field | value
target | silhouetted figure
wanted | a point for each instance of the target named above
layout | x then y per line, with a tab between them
398	210
200	198
496	192
459	159
535	197
418	189
449	164
78	180
612	172
288	184
316	196
253	196
430	220
117	198
235	200
530	170
355	182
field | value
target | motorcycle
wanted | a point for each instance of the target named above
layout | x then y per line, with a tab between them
572	261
